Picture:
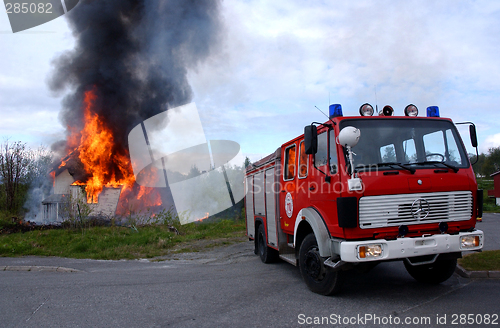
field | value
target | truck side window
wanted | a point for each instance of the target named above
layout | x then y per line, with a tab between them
453	153
321	157
302	160
289	163
333	153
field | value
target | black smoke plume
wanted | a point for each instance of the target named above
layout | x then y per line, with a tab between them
135	54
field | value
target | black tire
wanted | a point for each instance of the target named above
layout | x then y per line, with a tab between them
319	278
267	254
434	273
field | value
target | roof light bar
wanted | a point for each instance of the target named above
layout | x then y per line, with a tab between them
335	110
433	111
411	110
366	110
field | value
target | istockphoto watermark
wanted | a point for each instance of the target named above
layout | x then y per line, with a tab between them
391	320
25	14
311	181
170	148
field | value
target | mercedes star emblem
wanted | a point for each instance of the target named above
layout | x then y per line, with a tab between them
420	209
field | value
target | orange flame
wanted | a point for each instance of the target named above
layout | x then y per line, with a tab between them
107	164
149	196
133	201
204	218
97	153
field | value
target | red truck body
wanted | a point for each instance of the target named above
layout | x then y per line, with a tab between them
413	197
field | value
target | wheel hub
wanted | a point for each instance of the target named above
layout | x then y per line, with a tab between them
314	265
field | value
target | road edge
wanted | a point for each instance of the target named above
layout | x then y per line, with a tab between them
476	274
36	268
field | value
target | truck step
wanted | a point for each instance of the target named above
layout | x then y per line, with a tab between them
290	258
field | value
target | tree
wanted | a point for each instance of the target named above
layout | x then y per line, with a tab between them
389	154
39	167
193	172
492	161
15	163
21	168
39	180
479	166
247	162
76	211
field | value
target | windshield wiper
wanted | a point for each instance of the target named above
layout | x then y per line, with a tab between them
454	168
411	169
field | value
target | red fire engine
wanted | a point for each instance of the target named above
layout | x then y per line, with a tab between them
355	191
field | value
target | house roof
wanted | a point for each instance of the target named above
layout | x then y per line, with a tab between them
492	175
55	198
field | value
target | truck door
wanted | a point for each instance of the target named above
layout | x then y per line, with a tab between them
272	237
321	193
249	207
288	210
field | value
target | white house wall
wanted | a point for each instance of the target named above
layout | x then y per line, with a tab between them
62	182
107	201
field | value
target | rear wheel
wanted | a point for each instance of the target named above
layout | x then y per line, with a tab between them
319	278
434	273
267	254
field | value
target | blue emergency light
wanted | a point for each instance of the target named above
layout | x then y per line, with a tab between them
433	111
335	110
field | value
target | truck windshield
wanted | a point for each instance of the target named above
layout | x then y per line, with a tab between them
407	144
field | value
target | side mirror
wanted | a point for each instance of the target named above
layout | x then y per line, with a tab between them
473	135
311	139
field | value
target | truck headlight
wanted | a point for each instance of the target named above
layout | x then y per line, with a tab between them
470	242
369	251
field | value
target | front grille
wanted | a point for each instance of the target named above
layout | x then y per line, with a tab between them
395	210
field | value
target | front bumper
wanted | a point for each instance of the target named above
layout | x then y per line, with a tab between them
407	247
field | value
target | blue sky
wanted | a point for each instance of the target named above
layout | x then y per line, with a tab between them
279	59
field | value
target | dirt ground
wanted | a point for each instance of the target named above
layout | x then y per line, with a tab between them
220	250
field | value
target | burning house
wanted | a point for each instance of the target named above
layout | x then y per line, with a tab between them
68	193
53	207
130	62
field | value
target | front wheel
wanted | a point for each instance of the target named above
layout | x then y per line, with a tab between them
434	273
319	278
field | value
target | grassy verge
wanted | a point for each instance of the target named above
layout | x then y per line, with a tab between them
120	242
7	221
484	261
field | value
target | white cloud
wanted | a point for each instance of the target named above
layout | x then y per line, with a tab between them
281	58
492	141
284	57
29	111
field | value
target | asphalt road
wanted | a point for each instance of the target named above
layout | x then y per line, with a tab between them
491	228
230	287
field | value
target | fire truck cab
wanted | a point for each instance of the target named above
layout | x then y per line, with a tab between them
355	191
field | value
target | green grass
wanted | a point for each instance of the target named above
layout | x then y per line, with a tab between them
6	220
117	242
484	261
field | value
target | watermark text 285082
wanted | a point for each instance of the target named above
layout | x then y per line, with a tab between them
28	7
25	14
368	318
